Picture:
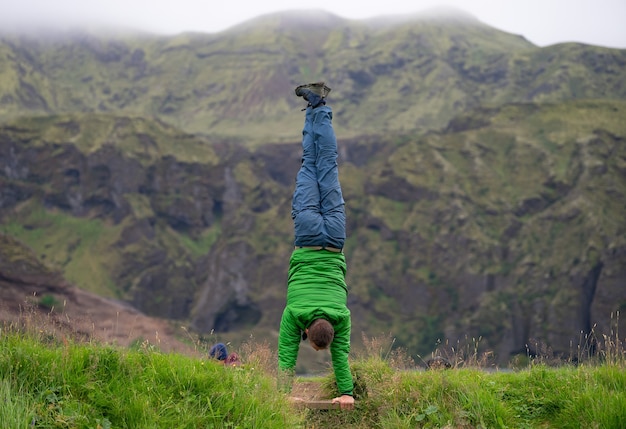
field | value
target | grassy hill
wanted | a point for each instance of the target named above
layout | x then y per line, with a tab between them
61	383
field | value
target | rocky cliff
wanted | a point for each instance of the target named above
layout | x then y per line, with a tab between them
484	178
507	230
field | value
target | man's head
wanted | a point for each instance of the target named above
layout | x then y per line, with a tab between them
321	334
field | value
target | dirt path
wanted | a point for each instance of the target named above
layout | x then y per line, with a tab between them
308	390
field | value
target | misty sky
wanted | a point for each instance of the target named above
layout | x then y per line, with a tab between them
543	22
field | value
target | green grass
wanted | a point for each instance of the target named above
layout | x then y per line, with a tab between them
538	396
63	384
50	381
15	405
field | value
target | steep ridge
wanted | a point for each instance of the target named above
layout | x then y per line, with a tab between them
412	75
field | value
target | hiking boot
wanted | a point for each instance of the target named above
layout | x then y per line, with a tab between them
314	93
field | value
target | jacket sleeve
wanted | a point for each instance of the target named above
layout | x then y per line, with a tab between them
288	346
340	349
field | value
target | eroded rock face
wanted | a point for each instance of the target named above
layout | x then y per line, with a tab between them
492	233
34	296
19	266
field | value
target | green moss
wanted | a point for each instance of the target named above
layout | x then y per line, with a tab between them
202	244
79	247
139	138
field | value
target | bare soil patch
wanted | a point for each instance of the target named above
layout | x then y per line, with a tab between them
81	315
308	390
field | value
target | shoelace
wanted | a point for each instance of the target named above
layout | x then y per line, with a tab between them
322	103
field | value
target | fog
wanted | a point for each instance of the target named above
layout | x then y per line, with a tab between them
599	22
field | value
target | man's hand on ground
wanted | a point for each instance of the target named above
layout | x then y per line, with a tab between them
346	402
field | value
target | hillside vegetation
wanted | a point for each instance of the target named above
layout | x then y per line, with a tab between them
48	381
484	177
406	75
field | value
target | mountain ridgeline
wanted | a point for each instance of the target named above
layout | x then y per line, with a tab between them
484	177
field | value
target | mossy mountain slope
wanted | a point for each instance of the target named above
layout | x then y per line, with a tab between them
484	177
406	75
506	225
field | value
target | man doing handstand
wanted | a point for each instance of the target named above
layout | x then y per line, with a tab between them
316	289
